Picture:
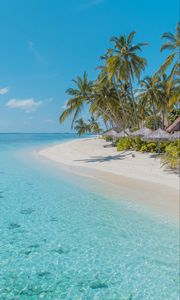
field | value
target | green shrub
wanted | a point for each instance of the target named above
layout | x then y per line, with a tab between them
127	143
134	129
172	154
144	148
124	144
108	138
136	143
152	147
163	145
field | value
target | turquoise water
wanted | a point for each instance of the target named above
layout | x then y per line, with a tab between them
63	240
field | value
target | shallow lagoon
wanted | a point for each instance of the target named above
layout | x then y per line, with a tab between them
60	240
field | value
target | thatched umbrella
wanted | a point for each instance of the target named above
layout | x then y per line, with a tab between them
175	136
110	133
142	132
124	133
158	135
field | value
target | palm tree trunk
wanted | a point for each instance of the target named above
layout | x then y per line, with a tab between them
116	119
163	120
133	103
106	113
120	103
154	113
166	123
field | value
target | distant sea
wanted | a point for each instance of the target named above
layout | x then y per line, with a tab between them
63	240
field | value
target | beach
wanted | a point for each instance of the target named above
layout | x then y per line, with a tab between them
140	174
89	150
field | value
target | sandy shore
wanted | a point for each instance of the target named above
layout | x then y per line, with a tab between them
142	174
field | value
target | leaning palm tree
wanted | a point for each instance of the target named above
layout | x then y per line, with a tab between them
80	95
105	103
172	44
124	64
85	95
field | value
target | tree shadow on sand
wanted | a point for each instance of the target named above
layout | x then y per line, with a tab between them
102	159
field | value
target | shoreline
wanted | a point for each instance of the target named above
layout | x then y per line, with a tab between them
140	177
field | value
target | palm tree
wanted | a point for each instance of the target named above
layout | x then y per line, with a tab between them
120	92
105	103
124	64
148	95
81	127
94	125
79	96
168	96
154	92
144	111
173	44
164	96
84	94
111	98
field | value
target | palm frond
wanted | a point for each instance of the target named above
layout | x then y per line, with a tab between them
166	64
173	100
130	37
65	114
168	46
168	35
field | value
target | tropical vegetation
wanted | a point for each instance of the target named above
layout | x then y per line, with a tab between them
170	151
122	96
172	154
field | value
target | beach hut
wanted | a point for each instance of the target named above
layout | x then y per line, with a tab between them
141	132
175	126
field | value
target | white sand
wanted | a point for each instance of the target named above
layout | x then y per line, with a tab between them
120	167
91	153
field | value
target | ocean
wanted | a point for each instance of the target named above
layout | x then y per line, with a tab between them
62	239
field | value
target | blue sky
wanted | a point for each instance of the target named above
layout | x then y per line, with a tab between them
46	43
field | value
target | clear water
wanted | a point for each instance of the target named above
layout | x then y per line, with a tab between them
60	240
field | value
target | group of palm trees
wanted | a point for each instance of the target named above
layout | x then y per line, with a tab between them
119	98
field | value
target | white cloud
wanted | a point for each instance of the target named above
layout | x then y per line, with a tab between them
4	91
27	105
